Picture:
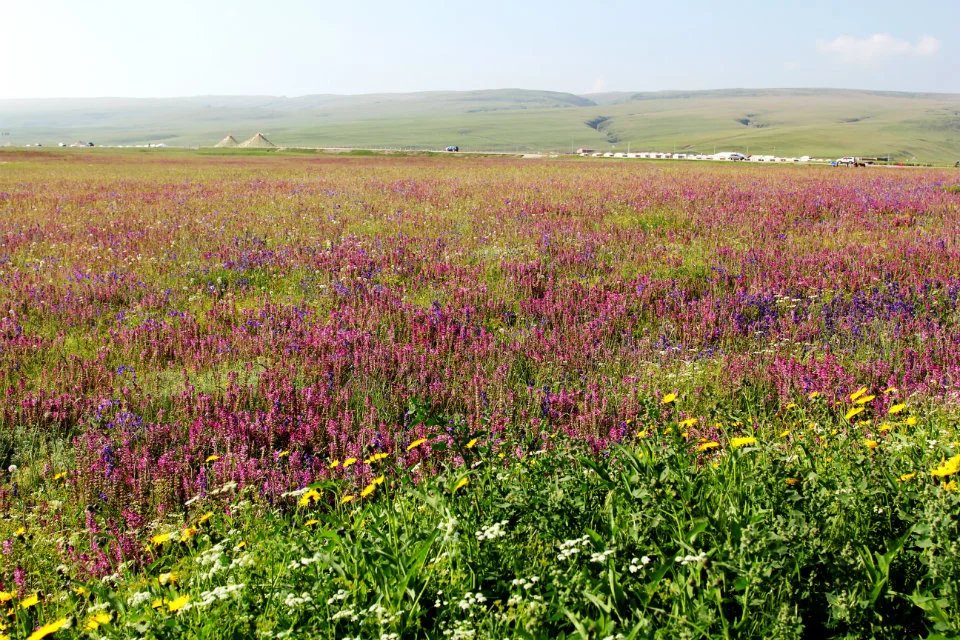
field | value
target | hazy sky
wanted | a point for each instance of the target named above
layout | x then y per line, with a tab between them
53	48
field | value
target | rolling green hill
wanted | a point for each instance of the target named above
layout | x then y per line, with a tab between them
816	122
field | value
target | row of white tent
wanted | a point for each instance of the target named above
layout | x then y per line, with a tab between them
723	155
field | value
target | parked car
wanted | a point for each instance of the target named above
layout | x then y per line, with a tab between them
848	161
453	148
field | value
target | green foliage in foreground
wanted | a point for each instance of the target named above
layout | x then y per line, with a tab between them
812	533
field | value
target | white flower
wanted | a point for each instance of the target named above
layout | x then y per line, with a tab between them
492	532
12	468
688	559
601	556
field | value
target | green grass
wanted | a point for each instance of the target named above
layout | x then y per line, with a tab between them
820	123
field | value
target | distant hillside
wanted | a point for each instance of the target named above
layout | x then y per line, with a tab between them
818	122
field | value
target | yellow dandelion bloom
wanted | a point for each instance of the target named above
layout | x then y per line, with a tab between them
890	390
168	578
205	517
473	443
188	533
160	538
667	399
179	603
416	443
97	620
852	413
689	422
813	395
367	490
744	441
80	591
240	545
950	486
346	499
60	476
785	433
912	421
6	596
865	399
20	532
886	426
706	446
856	394
907	477
870	444
334	464
349	462
375	458
947	467
156	604
29	601
791	481
212	458
283	454
791	405
49	629
897	408
311	495
642	434
378	480
311	522
461	484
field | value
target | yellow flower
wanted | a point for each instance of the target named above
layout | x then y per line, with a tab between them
160	538
167	578
461	484
80	591
29	601
6	596
367	490
240	545
283	454
950	486
856	394
855	411
912	421
378	480
890	390
334	464
472	443
642	434
346	499
212	458
947	467
865	399
416	443
907	477
60	476
792	481
311	522
870	444
667	399
311	495
156	604
176	605
97	620
886	426
20	532
375	458
205	517
689	422
349	462
813	395
791	405
706	446
188	533
897	408
785	433
744	441
50	628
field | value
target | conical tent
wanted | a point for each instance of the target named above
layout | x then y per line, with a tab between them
229	141
257	142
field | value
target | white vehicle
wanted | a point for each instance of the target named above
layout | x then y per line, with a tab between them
848	161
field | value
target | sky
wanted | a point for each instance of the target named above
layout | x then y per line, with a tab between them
135	48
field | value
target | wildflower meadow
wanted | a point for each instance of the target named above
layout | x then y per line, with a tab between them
424	397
